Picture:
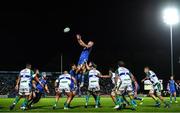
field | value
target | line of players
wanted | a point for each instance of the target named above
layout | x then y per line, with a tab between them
123	80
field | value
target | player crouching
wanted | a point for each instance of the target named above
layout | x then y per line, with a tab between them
62	85
24	86
39	90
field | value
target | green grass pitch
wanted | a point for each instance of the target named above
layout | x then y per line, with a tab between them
45	105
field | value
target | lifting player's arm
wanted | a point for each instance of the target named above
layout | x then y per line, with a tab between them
81	42
144	79
104	76
75	82
87	66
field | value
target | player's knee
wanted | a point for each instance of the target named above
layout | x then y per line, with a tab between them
119	92
130	93
113	94
158	93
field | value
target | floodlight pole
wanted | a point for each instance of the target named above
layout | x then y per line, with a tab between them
172	54
61	63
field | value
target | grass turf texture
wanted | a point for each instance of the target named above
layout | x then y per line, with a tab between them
45	105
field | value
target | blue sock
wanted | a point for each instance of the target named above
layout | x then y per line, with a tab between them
174	98
138	98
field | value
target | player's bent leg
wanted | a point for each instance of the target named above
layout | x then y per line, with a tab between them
132	101
38	97
69	97
56	99
171	97
25	103
151	94
73	95
175	97
97	100
163	100
87	98
118	102
17	98
113	96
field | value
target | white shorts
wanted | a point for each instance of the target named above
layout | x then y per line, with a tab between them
94	87
24	88
125	87
156	89
65	88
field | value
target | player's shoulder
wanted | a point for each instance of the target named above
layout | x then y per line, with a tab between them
97	71
123	69
25	70
151	72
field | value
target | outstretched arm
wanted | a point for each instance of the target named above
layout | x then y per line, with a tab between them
104	76
144	79
81	42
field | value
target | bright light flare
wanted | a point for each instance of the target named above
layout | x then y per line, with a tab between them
171	16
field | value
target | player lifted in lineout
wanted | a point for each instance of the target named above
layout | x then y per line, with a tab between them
81	68
24	86
124	85
156	87
171	87
62	85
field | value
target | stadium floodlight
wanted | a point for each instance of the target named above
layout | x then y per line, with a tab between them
171	17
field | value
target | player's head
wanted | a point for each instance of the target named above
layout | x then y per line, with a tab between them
73	66
90	43
44	76
94	65
172	77
65	72
121	64
28	65
90	64
146	69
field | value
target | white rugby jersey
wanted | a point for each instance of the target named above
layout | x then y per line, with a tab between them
94	73
152	77
26	75
64	78
124	74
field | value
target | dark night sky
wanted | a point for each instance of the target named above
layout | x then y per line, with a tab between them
131	31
